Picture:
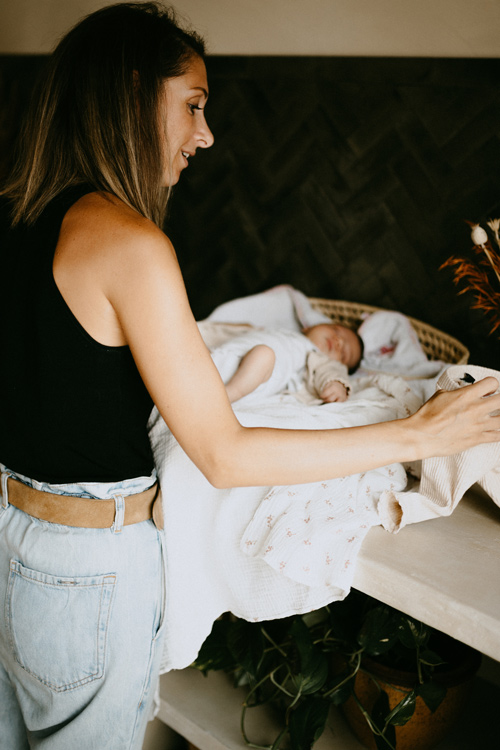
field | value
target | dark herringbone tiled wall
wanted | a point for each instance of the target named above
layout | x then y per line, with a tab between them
346	177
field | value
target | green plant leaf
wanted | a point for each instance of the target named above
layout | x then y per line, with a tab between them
386	738
313	680
432	693
345	618
313	663
313	674
431	658
412	633
246	643
302	637
340	694
404	710
315	618
214	652
379	631
307	722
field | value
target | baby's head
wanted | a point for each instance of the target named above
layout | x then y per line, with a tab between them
338	342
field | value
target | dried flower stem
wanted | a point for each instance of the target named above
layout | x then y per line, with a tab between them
492	263
477	275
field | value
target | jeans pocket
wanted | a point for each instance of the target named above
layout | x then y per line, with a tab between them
58	625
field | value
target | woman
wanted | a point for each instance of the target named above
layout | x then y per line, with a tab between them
96	328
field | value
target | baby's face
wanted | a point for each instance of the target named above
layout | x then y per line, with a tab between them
337	342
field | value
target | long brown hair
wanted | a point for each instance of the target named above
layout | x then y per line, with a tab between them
94	115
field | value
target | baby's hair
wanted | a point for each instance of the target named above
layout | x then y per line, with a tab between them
362	351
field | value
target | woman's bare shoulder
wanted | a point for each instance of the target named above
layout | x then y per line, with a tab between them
106	256
111	223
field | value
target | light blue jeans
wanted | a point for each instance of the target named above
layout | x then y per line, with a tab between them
81	615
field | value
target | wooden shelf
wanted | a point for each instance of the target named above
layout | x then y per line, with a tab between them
206	711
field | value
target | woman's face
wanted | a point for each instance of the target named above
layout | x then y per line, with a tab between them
183	119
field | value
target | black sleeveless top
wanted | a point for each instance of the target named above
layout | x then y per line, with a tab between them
71	409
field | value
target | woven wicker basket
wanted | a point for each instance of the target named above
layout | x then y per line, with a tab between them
435	343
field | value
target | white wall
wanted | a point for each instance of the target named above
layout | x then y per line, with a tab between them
436	28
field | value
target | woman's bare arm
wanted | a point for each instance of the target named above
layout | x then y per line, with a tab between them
138	273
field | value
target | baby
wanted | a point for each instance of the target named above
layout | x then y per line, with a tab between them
321	357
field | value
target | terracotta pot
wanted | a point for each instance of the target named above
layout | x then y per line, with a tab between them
425	729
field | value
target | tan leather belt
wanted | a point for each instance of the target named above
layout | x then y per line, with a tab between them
86	513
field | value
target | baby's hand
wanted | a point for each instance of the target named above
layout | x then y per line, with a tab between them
333	391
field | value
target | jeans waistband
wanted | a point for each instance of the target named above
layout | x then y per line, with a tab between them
89	505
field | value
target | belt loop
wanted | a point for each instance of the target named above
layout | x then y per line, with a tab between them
5	492
119	514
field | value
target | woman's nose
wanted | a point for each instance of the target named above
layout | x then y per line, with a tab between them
205	136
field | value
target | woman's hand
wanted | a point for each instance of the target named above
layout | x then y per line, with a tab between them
453	421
